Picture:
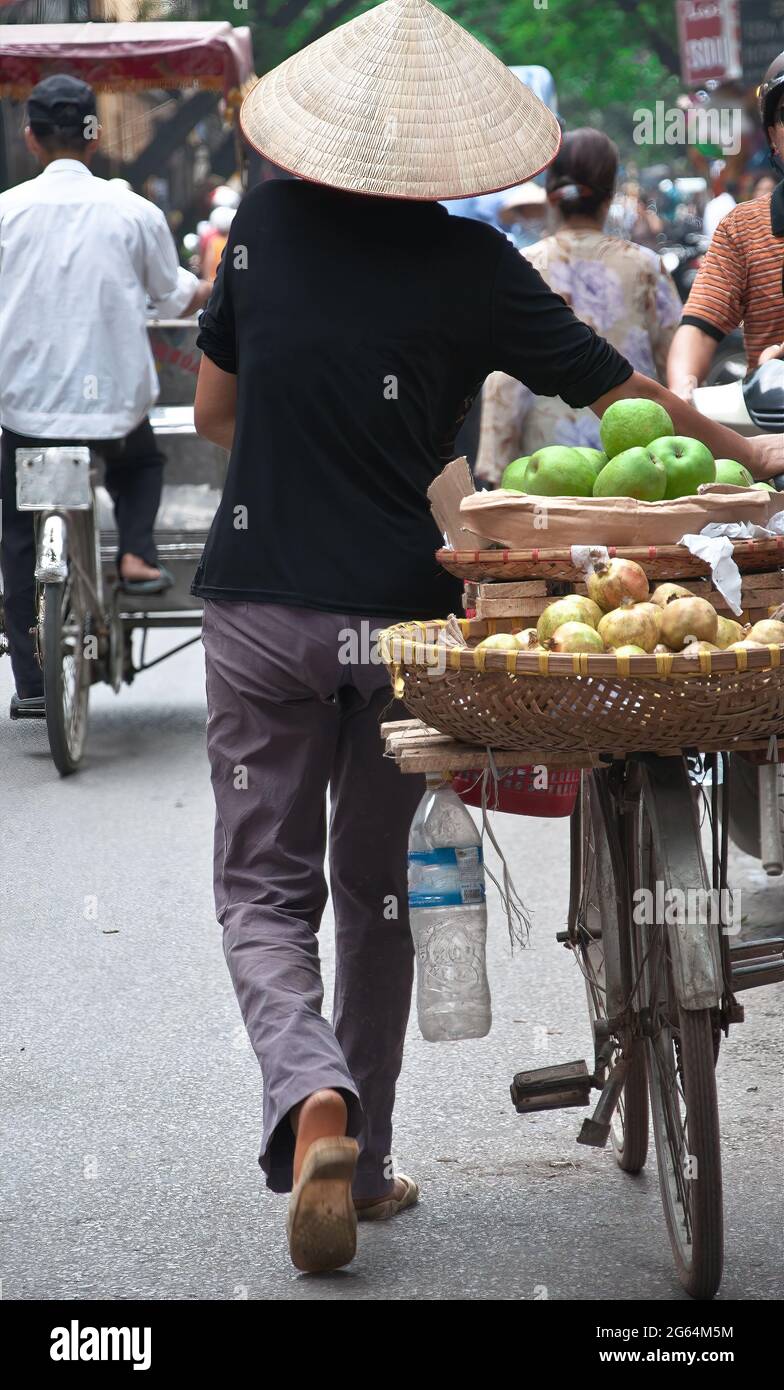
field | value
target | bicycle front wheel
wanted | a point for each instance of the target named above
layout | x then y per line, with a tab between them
596	922
680	1042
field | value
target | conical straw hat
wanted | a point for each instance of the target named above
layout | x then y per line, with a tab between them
401	102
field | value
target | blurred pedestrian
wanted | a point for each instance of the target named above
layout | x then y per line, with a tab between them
740	278
79	258
620	289
221	219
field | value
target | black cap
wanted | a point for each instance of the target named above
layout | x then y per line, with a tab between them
61	101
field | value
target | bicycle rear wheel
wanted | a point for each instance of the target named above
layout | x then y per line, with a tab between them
64	621
680	1041
595	921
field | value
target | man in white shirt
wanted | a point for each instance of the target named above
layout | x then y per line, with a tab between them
80	258
721	203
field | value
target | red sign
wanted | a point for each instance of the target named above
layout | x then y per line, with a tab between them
708	34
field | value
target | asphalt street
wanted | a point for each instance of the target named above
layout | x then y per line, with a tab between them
131	1108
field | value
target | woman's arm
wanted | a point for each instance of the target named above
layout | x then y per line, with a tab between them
215	406
763	455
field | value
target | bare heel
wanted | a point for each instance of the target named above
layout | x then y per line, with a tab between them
322	1223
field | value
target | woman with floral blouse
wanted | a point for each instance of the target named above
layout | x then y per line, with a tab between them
619	288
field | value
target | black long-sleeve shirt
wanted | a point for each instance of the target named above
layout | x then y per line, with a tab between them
360	329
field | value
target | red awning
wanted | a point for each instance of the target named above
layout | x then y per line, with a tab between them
121	57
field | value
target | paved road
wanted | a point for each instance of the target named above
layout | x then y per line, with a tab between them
132	1101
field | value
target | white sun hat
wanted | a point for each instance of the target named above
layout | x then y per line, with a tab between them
401	102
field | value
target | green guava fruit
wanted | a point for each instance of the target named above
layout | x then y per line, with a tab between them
557	471
633	424
594	456
634	473
728	471
513	474
688	463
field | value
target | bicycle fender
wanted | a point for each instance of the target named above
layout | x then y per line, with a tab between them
693	933
52	559
696	965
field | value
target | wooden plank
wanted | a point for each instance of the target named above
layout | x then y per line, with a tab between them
461	757
774	579
522	588
419	749
512	607
399	726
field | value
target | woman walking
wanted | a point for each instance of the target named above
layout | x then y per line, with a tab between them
337	369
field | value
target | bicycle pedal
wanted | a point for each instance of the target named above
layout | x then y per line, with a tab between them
594	1134
27	709
551	1088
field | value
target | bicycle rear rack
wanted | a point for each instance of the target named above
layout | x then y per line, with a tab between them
756	963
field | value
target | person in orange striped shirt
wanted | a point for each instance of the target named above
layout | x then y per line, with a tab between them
740	279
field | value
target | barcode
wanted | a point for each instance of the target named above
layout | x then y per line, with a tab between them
472	894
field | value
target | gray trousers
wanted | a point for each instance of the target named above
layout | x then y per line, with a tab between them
294	708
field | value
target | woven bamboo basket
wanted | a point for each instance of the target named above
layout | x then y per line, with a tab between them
599	703
658	561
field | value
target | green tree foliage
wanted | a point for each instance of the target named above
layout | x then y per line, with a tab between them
608	58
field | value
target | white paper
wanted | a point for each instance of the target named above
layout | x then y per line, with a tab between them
714	546
587	557
741	530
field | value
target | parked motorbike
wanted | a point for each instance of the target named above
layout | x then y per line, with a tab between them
683	259
756	819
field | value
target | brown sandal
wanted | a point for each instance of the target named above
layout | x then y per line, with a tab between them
321	1223
390	1206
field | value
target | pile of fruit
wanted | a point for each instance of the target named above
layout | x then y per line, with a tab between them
619	614
643	458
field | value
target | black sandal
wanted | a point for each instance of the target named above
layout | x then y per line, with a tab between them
159	585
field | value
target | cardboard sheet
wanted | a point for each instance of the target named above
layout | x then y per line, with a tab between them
556	523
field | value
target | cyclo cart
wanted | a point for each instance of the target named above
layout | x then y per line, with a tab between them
657	741
87	626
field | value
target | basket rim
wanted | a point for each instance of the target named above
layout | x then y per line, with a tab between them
541	555
411	644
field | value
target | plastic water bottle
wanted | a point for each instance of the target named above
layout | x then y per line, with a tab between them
448	915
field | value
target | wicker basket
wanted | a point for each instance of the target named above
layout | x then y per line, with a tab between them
658	561
598	703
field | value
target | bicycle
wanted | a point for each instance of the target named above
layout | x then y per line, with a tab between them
661	987
652	927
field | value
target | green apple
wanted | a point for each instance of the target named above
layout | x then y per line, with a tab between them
766	486
513	474
728	471
594	456
557	471
634	473
633	424
688	463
